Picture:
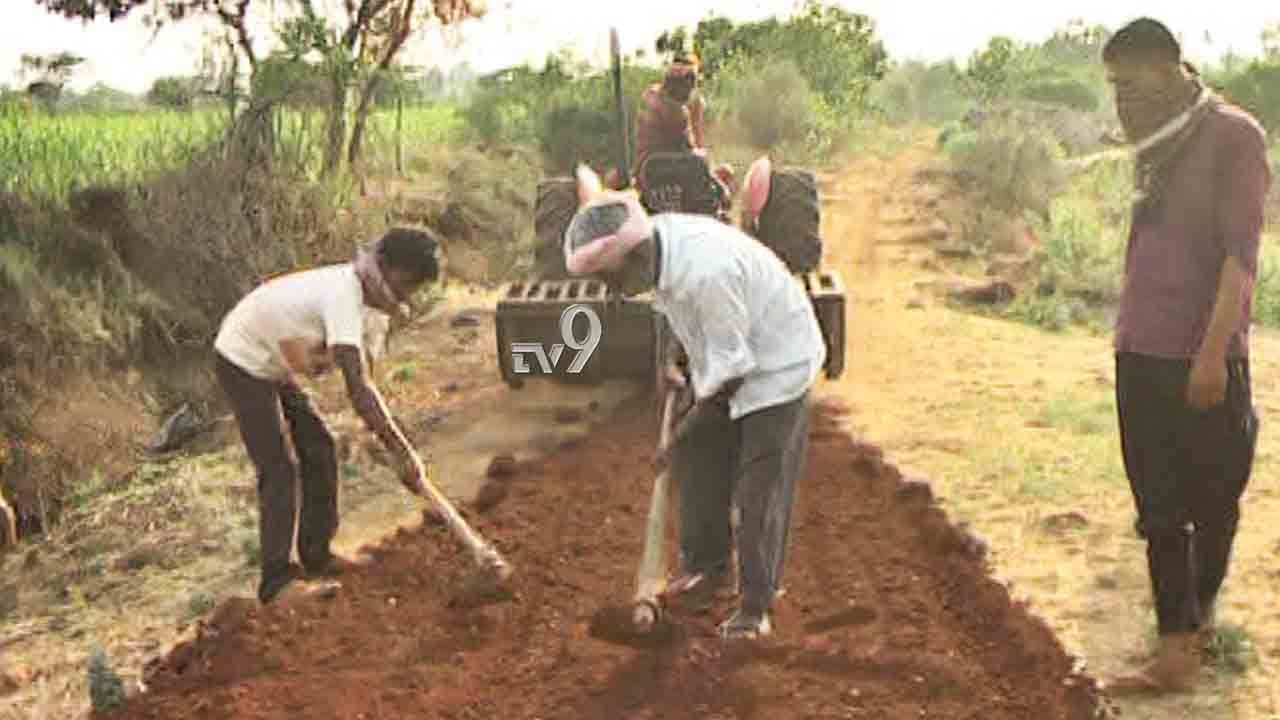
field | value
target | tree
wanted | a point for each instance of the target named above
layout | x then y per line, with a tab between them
173	92
55	69
1271	41
356	50
836	50
673	42
50	73
991	70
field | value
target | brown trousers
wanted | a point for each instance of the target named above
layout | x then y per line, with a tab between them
263	409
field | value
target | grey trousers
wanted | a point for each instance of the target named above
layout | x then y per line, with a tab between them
752	463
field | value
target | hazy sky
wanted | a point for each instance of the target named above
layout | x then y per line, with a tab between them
125	54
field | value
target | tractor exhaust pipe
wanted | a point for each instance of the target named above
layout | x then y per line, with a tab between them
624	137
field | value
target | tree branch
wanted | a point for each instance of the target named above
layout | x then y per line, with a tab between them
369	9
404	26
236	21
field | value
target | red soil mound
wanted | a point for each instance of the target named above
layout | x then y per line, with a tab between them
889	613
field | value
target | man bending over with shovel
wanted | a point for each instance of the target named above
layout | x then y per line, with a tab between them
754	350
302	324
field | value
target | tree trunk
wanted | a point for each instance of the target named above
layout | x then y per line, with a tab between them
337	126
399	133
362	119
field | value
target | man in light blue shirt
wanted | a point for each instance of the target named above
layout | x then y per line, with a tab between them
754	349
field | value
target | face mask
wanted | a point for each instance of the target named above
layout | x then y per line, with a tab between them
1142	111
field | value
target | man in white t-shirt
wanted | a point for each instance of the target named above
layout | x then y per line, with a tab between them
304	324
754	349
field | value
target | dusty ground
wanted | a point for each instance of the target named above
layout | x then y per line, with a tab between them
1016	428
887	615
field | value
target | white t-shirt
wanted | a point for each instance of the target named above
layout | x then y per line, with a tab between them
738	312
318	308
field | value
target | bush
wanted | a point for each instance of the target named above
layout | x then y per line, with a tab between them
1017	168
106	689
173	92
1065	91
771	106
1254	87
916	92
481	203
568	113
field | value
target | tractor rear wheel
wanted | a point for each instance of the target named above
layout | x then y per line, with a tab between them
556	203
790	220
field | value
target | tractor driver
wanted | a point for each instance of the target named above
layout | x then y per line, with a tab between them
672	117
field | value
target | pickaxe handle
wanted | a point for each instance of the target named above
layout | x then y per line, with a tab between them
483	551
651	577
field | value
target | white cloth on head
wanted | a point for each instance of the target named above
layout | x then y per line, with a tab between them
318	308
585	254
738	312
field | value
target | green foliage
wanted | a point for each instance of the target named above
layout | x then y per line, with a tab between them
917	92
673	42
821	64
564	109
1064	90
200	604
1052	311
835	50
1064	70
773	106
1266	291
174	92
1232	650
100	99
992	70
1017	168
47	155
55	68
1254	86
250	547
106	689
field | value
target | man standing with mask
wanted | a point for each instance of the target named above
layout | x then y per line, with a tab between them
1187	424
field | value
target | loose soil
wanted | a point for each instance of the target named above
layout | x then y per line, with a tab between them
889	613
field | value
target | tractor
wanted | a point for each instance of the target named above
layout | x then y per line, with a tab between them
542	310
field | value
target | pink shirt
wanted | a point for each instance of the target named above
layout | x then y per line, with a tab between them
1213	207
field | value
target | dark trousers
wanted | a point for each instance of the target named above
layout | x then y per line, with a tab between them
1187	469
753	463
263	409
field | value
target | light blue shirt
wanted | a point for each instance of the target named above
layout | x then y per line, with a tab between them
738	312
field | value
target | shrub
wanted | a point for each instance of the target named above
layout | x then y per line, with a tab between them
1062	90
916	92
106	689
773	105
1017	168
